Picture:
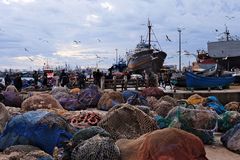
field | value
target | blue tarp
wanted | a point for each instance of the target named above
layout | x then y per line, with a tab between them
213	103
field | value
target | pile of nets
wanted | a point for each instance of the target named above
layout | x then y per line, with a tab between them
11	88
24	152
42	129
89	97
75	91
40	101
163	105
85	119
126	121
213	103
233	106
195	99
91	143
231	139
201	123
169	144
152	91
129	93
12	99
4	116
137	99
227	120
56	90
110	99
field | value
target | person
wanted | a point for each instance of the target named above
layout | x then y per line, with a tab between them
64	79
45	80
81	80
97	77
18	82
7	80
35	78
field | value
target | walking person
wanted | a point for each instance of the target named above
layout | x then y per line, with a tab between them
7	80
18	82
35	78
64	79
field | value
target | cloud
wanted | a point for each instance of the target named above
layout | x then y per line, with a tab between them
116	23
8	2
107	6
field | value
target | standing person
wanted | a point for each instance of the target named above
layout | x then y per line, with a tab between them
7	80
81	80
64	79
44	80
18	82
97	77
35	78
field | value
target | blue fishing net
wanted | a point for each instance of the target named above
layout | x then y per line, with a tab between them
42	129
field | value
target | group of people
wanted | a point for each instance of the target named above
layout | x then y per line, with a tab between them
17	81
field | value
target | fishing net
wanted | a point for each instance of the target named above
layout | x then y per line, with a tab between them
40	101
213	103
59	89
145	109
70	104
201	123
227	120
233	106
169	99
195	99
163	107
4	116
231	139
126	121
96	148
128	93
82	135
152	91
110	99
164	144
137	100
60	95
75	91
89	97
12	99
38	128
11	88
13	111
151	102
25	152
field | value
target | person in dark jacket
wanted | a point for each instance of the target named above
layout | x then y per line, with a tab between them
18	82
45	80
64	79
7	80
35	77
81	80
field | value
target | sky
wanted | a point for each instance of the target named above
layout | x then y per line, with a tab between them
87	33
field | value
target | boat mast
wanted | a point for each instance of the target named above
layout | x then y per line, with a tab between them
149	34
227	33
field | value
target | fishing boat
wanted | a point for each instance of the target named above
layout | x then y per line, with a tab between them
225	51
146	56
197	81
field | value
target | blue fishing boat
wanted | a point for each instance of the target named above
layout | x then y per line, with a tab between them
197	81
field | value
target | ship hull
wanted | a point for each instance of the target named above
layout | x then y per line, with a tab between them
146	61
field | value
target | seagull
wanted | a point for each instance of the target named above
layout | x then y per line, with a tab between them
26	49
229	17
77	42
216	30
168	39
97	56
30	59
99	40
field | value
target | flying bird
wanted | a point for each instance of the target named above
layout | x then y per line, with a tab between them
77	42
97	56
168	39
216	30
26	49
229	17
99	40
30	59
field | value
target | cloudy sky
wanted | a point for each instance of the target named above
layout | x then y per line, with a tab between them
33	32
